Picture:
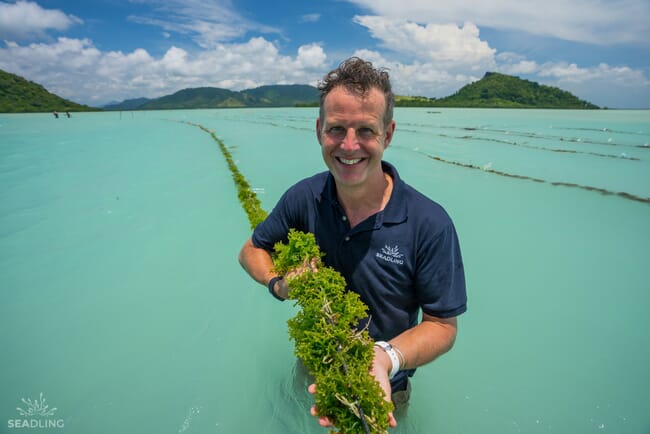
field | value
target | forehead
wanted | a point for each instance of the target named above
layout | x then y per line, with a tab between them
341	103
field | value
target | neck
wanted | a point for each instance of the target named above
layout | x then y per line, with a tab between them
361	203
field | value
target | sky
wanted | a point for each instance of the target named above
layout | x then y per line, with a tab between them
100	51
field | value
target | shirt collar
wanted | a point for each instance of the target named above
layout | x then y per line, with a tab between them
395	210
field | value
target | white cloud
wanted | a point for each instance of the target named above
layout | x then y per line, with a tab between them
311	56
436	59
418	78
310	18
77	70
208	23
595	21
603	84
515	64
446	46
24	19
565	72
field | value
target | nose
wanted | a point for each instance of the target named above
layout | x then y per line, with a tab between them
350	142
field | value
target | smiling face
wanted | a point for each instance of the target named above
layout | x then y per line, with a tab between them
353	137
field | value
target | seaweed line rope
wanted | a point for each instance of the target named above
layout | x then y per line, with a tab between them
605	192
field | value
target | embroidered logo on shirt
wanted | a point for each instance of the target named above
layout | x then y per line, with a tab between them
390	254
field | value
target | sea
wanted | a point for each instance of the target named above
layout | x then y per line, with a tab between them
123	308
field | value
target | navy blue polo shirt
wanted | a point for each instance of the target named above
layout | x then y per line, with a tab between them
402	259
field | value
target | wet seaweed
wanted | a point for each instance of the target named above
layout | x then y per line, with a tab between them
327	340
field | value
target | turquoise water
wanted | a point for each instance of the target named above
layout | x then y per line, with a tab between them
122	302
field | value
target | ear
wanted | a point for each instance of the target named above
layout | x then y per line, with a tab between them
318	130
390	130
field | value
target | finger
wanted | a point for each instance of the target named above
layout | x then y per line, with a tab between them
322	421
391	420
312	388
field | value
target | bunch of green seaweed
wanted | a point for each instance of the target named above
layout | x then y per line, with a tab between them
325	330
328	341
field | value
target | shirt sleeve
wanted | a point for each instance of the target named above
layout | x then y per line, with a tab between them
287	213
440	275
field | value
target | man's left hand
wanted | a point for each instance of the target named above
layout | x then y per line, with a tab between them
381	365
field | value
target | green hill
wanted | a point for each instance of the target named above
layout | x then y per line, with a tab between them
196	98
284	95
496	90
18	95
212	97
128	104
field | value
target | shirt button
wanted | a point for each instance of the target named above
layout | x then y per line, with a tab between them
344	218
347	238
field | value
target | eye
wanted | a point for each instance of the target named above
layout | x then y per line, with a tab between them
366	133
336	131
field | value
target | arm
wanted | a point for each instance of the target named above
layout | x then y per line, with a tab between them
422	343
258	264
419	345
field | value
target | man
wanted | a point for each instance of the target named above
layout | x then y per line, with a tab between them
395	247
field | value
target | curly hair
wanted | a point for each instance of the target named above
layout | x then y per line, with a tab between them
358	77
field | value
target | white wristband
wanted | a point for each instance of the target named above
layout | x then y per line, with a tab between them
392	355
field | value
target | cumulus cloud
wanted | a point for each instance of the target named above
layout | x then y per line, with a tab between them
418	78
515	64
603	22
435	60
25	19
77	70
447	46
311	56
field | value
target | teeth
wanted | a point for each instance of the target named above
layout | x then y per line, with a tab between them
344	161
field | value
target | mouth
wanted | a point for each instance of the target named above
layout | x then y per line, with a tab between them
347	162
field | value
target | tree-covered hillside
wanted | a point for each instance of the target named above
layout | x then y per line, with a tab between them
213	97
18	95
496	90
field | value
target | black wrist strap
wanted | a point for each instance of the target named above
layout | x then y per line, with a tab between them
272	283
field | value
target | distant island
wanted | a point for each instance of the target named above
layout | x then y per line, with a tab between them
18	95
494	90
497	90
